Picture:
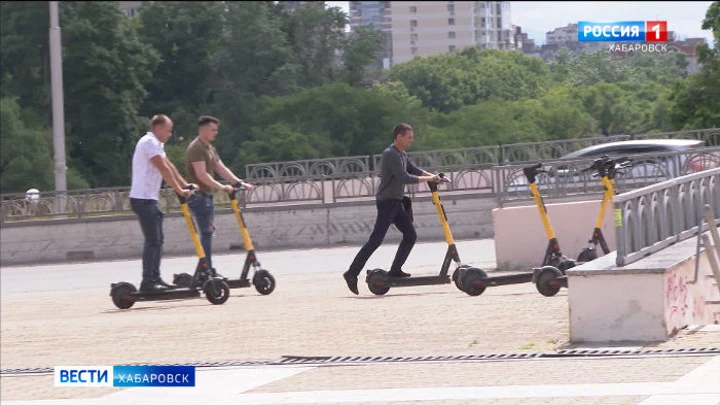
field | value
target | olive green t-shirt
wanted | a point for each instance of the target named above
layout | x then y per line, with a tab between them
199	152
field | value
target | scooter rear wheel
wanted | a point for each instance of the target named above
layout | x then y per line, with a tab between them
216	291
264	282
474	282
122	295
377	282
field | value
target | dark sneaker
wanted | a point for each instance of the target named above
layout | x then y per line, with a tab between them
214	273
398	274
351	282
152	287
164	284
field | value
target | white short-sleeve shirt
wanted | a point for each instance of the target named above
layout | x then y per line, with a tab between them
146	178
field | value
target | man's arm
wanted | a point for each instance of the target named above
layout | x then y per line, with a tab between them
170	174
229	176
205	178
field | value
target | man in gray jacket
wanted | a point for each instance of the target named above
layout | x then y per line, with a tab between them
395	172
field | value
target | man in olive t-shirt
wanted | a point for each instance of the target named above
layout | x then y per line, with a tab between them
201	163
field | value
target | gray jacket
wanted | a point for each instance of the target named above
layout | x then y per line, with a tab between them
395	172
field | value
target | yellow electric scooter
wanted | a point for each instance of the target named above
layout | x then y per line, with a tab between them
379	281
263	281
550	277
606	169
216	290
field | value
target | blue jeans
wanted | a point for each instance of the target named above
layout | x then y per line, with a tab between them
390	212
203	210
151	217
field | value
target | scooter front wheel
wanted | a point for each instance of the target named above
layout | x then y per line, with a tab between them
264	282
216	291
458	275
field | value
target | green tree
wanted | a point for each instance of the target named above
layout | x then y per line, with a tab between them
448	82
255	60
187	37
695	103
25	55
315	35
361	50
25	155
105	68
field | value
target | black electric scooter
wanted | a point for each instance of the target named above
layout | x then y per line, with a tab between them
263	281
216	290
606	169
379	281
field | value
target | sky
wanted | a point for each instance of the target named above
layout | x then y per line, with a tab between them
538	17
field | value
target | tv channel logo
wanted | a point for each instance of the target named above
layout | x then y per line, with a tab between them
125	376
622	31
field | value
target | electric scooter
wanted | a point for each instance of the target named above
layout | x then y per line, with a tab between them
263	281
379	281
550	276
216	290
606	169
547	277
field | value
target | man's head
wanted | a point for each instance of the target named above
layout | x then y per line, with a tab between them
403	136
161	125
208	128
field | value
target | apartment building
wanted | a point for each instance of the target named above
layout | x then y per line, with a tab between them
425	28
377	14
562	35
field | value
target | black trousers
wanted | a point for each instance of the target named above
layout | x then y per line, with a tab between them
390	212
151	223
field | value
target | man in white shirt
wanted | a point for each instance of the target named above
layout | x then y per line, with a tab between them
150	166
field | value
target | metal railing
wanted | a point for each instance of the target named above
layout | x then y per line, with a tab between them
470	174
468	157
654	217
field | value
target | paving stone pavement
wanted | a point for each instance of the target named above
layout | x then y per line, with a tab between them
65	317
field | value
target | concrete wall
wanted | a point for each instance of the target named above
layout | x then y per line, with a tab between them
521	241
649	300
327	225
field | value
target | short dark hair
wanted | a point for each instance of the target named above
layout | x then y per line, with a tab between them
157	120
401	129
207	119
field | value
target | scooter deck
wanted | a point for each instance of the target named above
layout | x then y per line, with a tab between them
173	294
238	283
413	281
509	279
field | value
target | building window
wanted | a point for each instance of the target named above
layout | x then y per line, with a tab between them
451	7
499	10
413	9
451	21
130	12
413	50
451	48
451	35
413	37
413	23
499	22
